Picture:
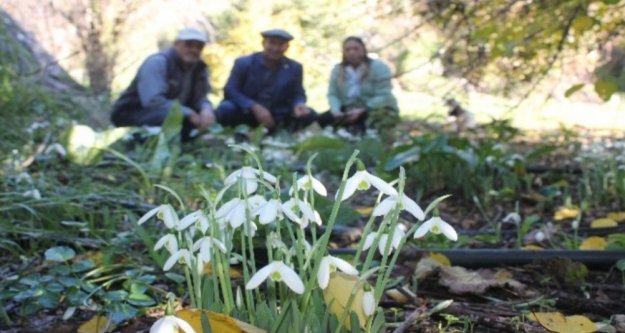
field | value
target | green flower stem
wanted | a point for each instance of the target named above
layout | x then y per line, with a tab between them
361	244
249	301
187	276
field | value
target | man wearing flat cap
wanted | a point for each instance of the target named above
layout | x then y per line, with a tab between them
266	88
175	75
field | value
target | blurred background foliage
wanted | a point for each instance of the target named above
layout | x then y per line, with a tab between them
487	54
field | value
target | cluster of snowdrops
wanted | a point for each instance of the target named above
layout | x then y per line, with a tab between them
250	214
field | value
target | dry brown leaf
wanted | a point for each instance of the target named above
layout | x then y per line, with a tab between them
532	247
556	322
593	243
425	267
441	258
564	213
337	294
97	324
219	322
603	223
617	216
462	281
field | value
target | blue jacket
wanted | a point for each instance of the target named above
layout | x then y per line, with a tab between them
245	83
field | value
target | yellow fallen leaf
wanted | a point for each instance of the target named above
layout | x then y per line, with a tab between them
219	322
603	223
97	324
556	322
403	295
337	295
593	243
617	216
532	247
365	211
234	272
566	212
441	258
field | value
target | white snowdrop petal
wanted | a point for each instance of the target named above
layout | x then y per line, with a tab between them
260	276
148	215
344	266
412	207
291	279
385	206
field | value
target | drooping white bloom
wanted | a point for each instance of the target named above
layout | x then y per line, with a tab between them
300	212
328	265
405	203
34	193
436	225
250	178
277	271
513	217
269	212
234	211
307	182
166	213
398	234
171	324
205	245
191	219
169	241
362	180
368	303
180	254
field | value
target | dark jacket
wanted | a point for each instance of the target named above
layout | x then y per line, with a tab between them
244	83
155	87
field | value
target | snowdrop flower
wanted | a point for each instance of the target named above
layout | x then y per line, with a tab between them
165	213
362	180
296	246
328	265
169	241
173	259
368	302
269	212
277	271
249	229
405	203
398	234
205	245
171	324
250	176
192	218
436	225
34	193
235	210
513	217
293	207
308	182
56	147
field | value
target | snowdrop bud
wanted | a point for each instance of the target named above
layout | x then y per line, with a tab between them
368	301
540	236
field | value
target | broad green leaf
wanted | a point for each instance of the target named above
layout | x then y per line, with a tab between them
140	300
573	89
411	155
60	253
116	295
319	142
85	146
605	88
173	123
119	312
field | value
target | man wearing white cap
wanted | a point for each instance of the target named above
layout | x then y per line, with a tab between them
175	75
